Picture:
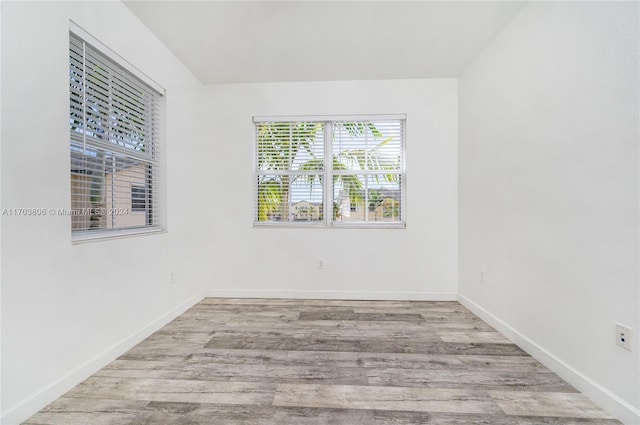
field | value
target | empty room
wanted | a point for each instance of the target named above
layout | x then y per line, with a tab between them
320	212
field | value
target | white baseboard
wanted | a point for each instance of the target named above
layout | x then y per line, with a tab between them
334	295
36	402
609	401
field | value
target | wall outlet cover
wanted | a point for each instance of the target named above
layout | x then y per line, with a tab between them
623	336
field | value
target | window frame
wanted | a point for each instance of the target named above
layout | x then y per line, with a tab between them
328	220
151	159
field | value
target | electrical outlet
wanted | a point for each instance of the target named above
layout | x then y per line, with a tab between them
483	276
623	336
320	264
172	278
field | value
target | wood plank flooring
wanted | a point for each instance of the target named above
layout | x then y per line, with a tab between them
313	362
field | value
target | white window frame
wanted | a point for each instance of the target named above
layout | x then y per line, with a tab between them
328	220
156	223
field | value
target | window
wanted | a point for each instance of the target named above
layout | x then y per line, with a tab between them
330	172
114	129
138	199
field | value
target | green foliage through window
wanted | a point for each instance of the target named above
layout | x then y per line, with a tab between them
363	158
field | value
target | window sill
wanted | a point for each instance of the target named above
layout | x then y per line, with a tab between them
369	225
317	225
101	235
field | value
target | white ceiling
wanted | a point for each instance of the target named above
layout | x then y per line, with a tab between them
270	41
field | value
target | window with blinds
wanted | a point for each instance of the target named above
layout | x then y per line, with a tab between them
114	127
330	172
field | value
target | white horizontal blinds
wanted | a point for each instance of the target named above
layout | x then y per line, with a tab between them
368	171
114	120
352	168
289	164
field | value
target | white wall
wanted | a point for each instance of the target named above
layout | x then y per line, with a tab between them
417	262
67	309
548	199
548	160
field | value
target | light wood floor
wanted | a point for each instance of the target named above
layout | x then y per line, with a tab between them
312	362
